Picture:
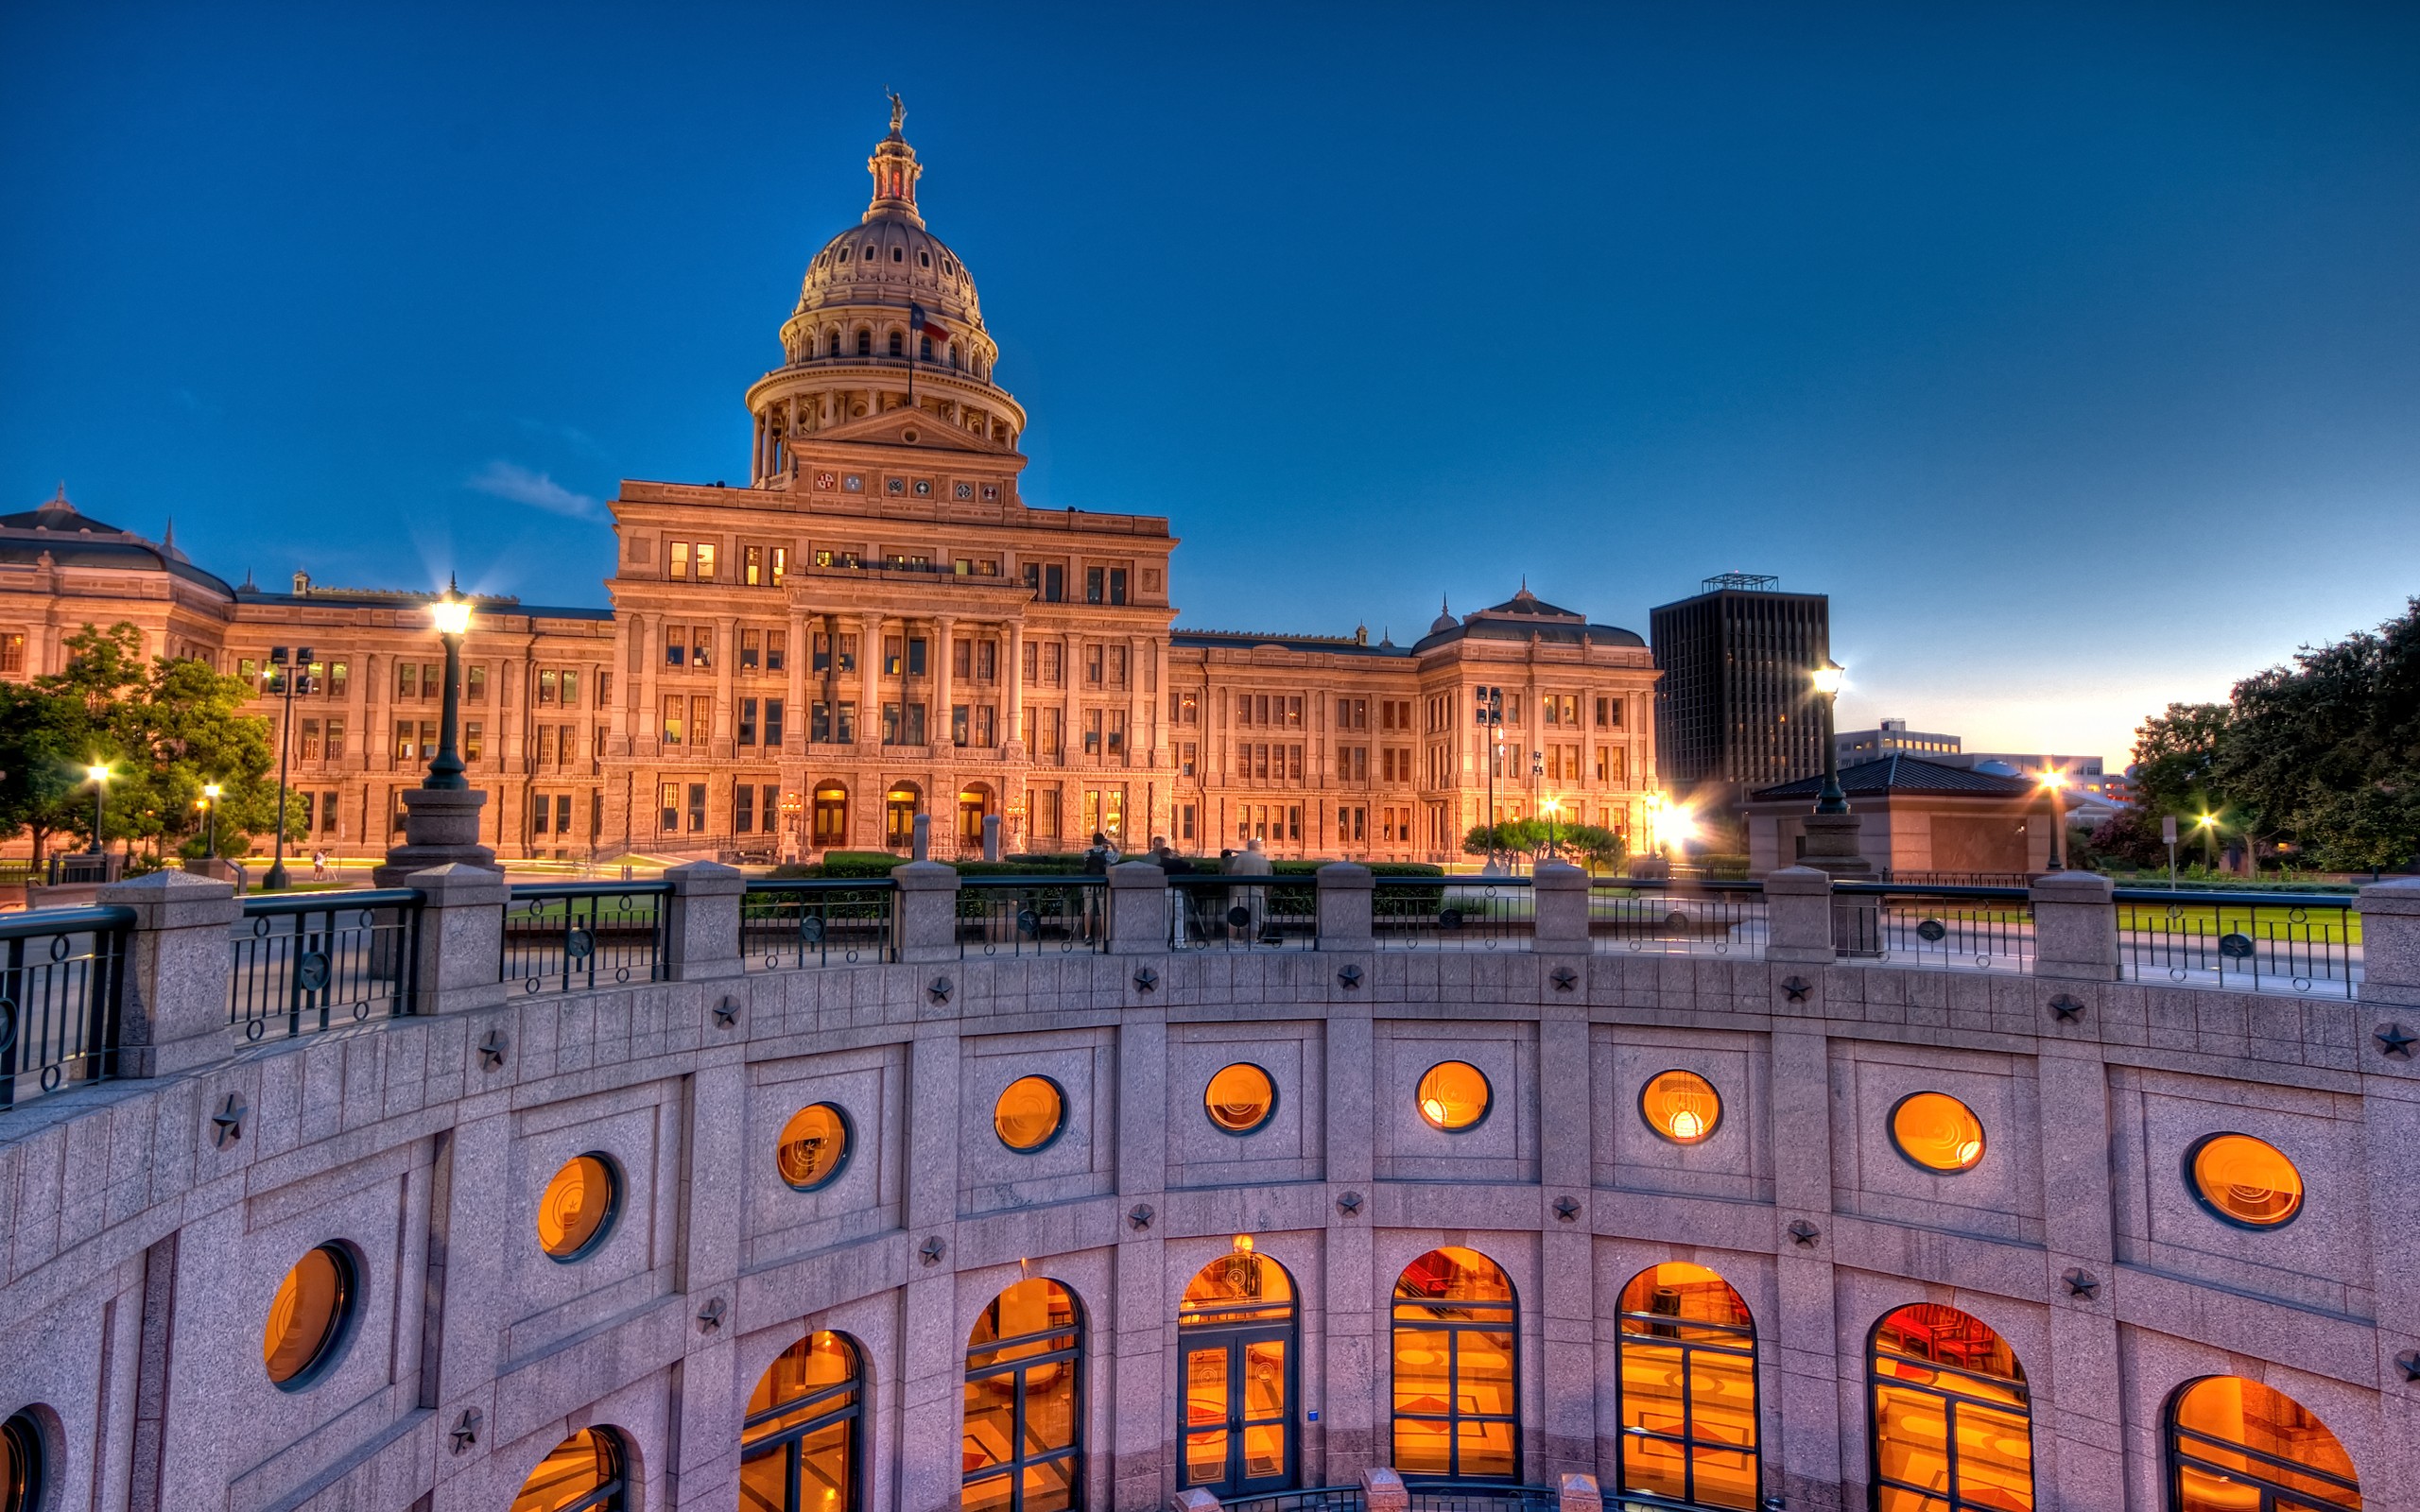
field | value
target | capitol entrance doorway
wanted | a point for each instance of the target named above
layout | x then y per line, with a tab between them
1237	1330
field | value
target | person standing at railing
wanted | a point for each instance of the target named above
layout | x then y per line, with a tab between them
1251	862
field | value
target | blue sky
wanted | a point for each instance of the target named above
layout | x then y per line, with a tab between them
2075	352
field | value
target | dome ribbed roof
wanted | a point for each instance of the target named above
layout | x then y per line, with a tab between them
888	257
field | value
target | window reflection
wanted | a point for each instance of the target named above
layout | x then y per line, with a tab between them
1688	1388
583	1473
1952	1428
1456	1404
1237	1329
2237	1446
800	1446
1023	1446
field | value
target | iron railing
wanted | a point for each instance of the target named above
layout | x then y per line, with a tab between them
1646	917
1209	911
1479	1496
60	990
788	924
1451	913
2253	943
577	935
312	961
1032	916
1976	928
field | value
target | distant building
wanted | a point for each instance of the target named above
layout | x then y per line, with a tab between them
1923	821
1893	739
2086	776
1735	706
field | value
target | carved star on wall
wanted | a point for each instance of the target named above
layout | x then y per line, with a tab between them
932	1249
710	1316
2082	1282
492	1048
1565	978
727	1012
2409	1363
940	989
1349	1203
466	1429
1566	1209
2394	1039
1146	980
1803	1233
228	1121
2068	1010
1797	986
1140	1216
1350	976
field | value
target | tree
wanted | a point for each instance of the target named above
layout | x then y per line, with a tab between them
2173	756
1590	845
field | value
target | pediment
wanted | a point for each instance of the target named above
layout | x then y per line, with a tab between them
893	427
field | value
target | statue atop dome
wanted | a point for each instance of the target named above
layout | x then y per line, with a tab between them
898	113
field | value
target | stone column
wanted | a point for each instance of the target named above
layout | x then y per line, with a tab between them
2391	942
1160	690
927	904
701	925
617	721
1345	889
1559	891
1139	909
794	714
1012	738
172	1014
1798	916
2075	926
944	628
870	683
461	937
645	732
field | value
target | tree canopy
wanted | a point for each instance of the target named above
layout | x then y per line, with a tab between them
1588	845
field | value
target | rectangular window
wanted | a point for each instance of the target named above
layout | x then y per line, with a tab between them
958	724
821	728
475	685
1117	585
1094	655
751	650
406	680
770	807
747	722
539	812
697	808
546	744
1185	821
675	560
1117	732
743	807
702	647
339	672
676	720
571	688
13	652
781	564
546	686
701	720
1094	578
983	725
310	752
1187	758
773	723
777	645
249	668
915	725
752	571
961	659
1117	666
915	656
327	813
1054	584
818	652
705	562
893	653
406	732
676	646
1092	732
427	737
568	742
669	801
1046	812
987	660
1609	764
335	739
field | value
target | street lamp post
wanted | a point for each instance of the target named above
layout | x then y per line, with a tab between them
210	791
288	678
1550	808
99	775
1491	718
452	614
2052	780
1827	682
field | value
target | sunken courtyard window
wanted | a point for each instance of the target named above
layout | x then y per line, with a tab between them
1240	1098
814	1145
1030	1113
577	1211
307	1317
1453	1096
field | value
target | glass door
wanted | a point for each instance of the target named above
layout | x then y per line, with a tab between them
1238	1424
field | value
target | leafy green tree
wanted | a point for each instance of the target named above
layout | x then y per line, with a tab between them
1589	845
2174	753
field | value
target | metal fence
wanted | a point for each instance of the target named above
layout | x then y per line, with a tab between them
1480	1497
2253	942
308	962
1032	916
785	924
1988	929
1448	913
1313	1498
1212	912
576	936
59	991
1647	917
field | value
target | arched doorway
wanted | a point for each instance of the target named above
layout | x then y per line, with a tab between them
1456	1367
831	816
2237	1446
1236	1329
900	807
1688	1388
1023	1449
802	1443
586	1472
1950	1421
973	803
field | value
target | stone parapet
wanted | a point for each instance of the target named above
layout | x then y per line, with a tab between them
460	939
1798	916
926	924
1559	891
172	1014
2391	941
702	921
1139	909
2075	926
1345	892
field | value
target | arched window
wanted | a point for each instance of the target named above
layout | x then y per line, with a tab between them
1688	1388
832	342
800	1447
831	816
865	342
1455	1353
2238	1446
1023	1449
925	348
585	1472
900	807
898	344
1237	1330
1951	1429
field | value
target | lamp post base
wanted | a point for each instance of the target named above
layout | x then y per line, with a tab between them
1832	847
440	828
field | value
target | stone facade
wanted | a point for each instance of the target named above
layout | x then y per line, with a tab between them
144	1241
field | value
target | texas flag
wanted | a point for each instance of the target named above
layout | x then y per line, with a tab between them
923	323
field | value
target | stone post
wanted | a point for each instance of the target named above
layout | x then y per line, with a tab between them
2390	941
1345	889
1195	1500
927	904
1382	1491
1559	894
461	937
172	1014
2075	926
701	926
1579	1494
1798	916
920	837
991	837
441	829
1139	909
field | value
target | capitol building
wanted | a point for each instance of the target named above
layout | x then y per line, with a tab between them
877	626
1546	1194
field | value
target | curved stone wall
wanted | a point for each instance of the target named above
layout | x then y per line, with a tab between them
145	1238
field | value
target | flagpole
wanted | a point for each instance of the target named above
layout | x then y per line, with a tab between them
911	353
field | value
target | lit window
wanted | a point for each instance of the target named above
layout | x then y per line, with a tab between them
307	1318
1023	1440
1688	1389
1030	1113
1240	1098
2245	1181
1937	1132
575	1213
1456	1344
1236	1330
814	1145
1453	1096
21	1464
803	1440
1952	1428
2235	1444
583	1473
1680	1106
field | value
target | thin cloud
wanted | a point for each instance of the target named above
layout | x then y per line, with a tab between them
509	480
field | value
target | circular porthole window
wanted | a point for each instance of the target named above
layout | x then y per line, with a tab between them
2244	1180
1680	1106
814	1145
1030	1113
21	1472
307	1317
1240	1098
1453	1096
1937	1132
577	1211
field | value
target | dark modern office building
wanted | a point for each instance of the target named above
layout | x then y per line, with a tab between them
1735	706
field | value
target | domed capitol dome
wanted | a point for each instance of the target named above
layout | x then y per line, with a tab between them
886	318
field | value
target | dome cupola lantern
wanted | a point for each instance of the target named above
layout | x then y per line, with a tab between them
895	170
